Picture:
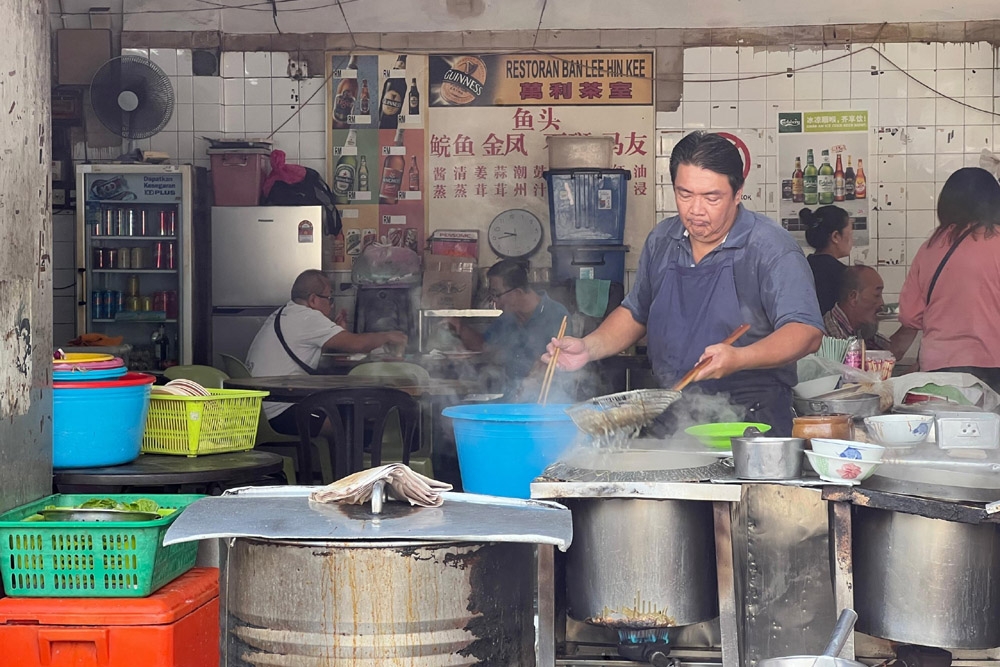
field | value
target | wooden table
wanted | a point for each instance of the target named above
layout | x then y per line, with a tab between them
292	388
177	474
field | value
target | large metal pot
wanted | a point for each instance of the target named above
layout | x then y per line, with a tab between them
638	563
926	581
370	603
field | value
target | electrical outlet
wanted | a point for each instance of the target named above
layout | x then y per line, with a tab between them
969	430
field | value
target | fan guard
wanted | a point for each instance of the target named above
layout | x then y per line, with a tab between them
132	97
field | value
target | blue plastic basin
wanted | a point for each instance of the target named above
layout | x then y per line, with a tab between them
502	447
98	424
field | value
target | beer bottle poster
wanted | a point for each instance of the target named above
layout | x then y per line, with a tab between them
375	153
822	161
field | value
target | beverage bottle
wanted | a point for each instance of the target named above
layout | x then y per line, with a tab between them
392	174
391	102
839	186
860	182
809	181
414	97
824	181
363	175
339	249
414	174
798	186
347	93
366	104
849	181
345	171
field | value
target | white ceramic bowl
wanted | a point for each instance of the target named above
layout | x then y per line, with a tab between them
899	430
816	387
848	449
836	469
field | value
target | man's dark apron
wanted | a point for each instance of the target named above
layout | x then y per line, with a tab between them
697	306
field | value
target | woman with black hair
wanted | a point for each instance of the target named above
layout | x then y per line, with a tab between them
828	230
952	291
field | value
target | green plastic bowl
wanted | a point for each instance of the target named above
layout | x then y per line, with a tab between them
717	436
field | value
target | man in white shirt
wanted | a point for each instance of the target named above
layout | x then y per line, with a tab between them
306	329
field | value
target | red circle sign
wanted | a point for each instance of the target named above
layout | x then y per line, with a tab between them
742	148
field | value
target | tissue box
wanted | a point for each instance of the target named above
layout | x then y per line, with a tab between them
449	282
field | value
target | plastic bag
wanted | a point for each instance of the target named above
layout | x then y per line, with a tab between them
813	367
384	264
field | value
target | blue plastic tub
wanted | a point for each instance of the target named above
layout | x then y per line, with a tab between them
587	205
98	424
502	447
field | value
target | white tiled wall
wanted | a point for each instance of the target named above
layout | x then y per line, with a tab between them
919	138
253	97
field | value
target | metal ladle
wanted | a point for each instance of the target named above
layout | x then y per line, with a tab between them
843	629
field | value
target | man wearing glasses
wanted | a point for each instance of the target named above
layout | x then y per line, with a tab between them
292	340
519	336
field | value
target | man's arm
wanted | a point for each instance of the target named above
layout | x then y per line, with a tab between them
470	336
346	341
787	344
618	331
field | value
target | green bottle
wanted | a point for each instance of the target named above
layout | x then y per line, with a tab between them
825	181
809	180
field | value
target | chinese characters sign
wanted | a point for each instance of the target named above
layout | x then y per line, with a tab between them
521	80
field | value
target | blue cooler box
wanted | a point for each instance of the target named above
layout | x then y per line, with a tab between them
587	205
599	262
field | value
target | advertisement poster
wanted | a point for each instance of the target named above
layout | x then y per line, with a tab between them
821	161
486	158
375	152
542	79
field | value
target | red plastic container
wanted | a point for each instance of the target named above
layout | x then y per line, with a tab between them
237	174
177	626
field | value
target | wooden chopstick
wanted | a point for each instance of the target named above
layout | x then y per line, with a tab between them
550	370
732	338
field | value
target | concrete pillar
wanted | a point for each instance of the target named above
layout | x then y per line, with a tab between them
25	266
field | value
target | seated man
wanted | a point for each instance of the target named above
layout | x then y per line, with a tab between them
529	321
856	311
293	338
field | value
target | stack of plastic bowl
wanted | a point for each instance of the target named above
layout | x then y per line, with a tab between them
98	411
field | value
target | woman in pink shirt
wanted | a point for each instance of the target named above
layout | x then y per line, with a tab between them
952	292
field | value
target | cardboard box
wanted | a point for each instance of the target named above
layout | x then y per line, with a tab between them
449	282
455	243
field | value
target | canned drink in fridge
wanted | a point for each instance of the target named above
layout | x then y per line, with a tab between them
159	255
124	258
170	255
133	285
142	228
95	305
118	302
160	301
133	303
98	258
147	303
110	221
128	222
106	305
172	222
138	258
111	258
171	304
163	223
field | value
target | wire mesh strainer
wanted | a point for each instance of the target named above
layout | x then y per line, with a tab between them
621	415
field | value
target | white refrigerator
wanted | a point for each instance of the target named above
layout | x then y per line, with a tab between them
134	259
257	252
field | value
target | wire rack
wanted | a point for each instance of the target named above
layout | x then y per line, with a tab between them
622	415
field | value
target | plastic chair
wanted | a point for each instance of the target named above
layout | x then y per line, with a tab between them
282	443
392	443
207	376
359	416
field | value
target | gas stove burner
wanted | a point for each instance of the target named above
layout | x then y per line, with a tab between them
649	646
911	655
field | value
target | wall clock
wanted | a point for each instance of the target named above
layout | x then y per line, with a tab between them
515	233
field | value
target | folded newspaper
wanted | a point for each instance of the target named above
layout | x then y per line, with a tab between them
403	484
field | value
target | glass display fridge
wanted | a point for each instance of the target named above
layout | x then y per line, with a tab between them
134	260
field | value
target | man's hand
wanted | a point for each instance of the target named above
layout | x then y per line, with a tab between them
341	319
723	360
574	354
395	339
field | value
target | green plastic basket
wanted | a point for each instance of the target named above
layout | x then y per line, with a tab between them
225	421
79	559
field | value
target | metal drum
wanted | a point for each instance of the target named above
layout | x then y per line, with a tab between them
926	581
406	604
637	563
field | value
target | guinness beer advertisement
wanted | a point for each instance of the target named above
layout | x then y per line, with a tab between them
579	79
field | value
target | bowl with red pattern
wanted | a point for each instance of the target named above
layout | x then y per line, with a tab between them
836	469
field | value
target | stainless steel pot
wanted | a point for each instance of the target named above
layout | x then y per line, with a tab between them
765	458
370	603
858	405
638	563
926	581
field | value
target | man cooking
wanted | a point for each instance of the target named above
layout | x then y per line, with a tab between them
703	273
292	340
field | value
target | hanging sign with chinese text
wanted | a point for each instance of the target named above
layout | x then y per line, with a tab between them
529	79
